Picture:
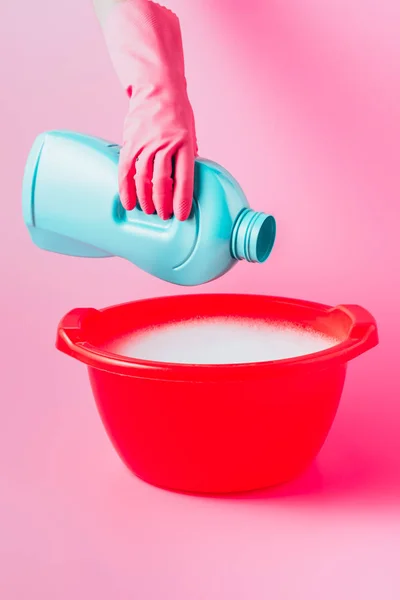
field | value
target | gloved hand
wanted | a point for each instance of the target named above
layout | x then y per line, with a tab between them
159	141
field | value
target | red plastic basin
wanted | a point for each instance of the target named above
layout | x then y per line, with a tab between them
217	428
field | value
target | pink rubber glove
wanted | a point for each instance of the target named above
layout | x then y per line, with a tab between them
159	142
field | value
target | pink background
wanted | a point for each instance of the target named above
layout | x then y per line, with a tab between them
301	101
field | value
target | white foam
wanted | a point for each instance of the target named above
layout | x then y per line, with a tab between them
220	341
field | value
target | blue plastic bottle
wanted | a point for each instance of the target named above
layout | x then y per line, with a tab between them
71	206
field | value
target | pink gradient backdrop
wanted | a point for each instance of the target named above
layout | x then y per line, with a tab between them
301	101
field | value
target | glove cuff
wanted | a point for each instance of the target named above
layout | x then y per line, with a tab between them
145	45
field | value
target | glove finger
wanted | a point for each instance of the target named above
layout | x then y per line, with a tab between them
143	177
126	181
162	183
183	182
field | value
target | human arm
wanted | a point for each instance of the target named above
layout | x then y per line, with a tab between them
159	140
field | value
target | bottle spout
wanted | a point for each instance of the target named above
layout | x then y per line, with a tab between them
253	236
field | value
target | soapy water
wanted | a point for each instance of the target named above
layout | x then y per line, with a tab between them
220	341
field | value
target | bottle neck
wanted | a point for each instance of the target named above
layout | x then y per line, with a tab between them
253	236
